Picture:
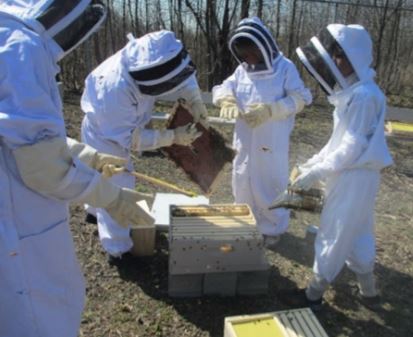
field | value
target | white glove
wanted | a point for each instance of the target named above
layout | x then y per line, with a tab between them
186	135
306	180
126	211
94	159
120	203
229	108
259	113
192	96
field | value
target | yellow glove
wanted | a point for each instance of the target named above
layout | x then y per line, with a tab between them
259	113
92	158
229	108
295	172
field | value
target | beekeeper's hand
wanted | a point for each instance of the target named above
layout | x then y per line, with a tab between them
259	113
295	172
229	108
120	203
306	180
99	161
186	135
125	210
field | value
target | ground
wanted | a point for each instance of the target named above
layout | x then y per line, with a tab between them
132	300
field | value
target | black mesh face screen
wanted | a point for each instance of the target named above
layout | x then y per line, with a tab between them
79	28
245	48
319	65
332	47
164	87
56	11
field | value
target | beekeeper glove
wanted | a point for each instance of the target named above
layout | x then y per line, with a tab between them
229	108
295	172
306	180
120	203
192	96
126	211
186	135
94	159
259	113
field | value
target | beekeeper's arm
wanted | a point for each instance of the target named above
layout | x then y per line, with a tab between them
191	92
297	96
48	168
149	139
359	121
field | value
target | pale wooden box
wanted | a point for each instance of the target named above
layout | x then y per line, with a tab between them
215	250
143	237
289	323
213	239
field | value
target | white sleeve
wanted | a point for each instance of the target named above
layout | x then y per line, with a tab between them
361	119
49	168
295	85
115	110
149	139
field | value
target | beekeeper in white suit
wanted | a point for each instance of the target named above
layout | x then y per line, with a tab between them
340	58
264	94
41	285
118	101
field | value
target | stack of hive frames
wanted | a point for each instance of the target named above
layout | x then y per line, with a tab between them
215	250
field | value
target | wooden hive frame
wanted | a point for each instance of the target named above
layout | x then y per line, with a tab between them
208	156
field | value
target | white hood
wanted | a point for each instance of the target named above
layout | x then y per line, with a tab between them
68	23
351	42
254	30
356	42
158	62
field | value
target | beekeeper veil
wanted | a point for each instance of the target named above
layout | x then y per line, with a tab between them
68	23
351	43
159	63
252	34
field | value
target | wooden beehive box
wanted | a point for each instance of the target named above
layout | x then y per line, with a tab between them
289	323
215	250
214	239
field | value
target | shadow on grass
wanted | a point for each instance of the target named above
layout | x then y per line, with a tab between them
343	314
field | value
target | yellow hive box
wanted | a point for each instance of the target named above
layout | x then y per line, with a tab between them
289	323
399	130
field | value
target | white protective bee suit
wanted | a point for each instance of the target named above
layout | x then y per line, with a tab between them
41	285
351	161
260	168
118	101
